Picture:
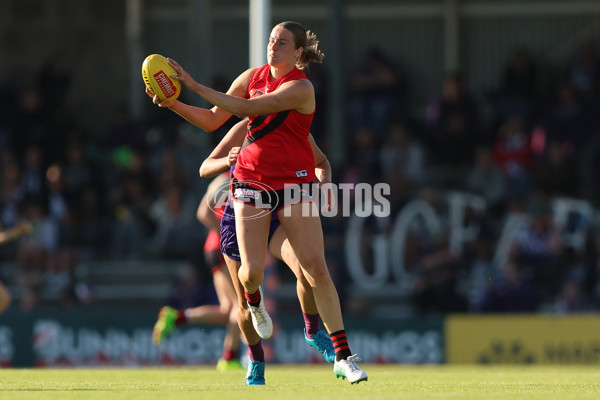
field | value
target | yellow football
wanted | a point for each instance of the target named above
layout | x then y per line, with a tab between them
157	72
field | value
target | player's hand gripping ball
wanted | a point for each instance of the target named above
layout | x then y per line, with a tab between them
157	72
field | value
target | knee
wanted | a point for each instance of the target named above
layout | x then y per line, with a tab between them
316	269
250	274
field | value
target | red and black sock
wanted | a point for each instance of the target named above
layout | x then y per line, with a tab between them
340	345
253	299
229	355
181	318
311	323
255	351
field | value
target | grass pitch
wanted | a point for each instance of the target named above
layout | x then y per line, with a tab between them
305	382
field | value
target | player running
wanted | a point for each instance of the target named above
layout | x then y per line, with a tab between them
280	102
279	248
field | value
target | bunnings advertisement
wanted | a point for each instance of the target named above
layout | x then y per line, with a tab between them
93	337
523	339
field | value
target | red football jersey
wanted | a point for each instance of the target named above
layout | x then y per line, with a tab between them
278	151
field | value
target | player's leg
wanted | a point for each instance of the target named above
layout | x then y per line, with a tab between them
304	232
280	248
252	229
306	238
229	305
169	318
256	362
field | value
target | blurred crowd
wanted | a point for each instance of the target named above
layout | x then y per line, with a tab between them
531	139
128	193
131	192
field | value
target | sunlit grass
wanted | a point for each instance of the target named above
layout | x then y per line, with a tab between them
305	382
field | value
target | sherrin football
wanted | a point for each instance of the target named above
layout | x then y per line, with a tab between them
157	72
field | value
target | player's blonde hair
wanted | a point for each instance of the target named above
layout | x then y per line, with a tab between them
307	40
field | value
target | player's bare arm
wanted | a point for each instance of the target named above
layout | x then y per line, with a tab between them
295	95
323	174
222	157
206	119
205	213
322	165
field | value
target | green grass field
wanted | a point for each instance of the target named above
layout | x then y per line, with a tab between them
305	382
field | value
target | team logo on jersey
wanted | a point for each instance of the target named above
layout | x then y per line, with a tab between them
255	93
301	173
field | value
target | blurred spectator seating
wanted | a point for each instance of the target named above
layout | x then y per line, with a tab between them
377	89
454	131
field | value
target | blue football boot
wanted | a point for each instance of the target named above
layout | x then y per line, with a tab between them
322	342
256	373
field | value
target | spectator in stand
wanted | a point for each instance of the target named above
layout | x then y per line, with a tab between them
454	125
567	121
365	165
557	175
61	260
584	74
518	89
514	292
123	132
134	192
572	296
176	233
170	172
435	290
61	263
33	181
78	171
59	198
402	161
137	168
487	180
512	152
376	89
130	207
482	273
95	226
538	247
34	250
